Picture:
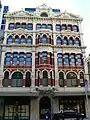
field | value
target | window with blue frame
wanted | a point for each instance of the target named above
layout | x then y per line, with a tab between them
15	58
64	27
22	39
8	59
44	39
44	57
11	26
23	26
72	60
29	40
21	59
18	25
16	39
9	40
75	28
49	26
58	27
60	59
71	42
6	9
66	59
38	26
28	59
44	26
79	59
59	41
77	43
65	41
69	27
30	26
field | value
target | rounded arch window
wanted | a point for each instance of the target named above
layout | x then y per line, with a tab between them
29	40
17	79
44	14
59	41
9	40
17	39
28	79
44	39
65	42
22	39
77	42
6	79
71	80
71	41
45	78
61	79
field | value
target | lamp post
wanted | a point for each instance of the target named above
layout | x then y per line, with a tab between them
86	92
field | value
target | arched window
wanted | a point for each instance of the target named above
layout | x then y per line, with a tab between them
23	25
45	78
58	27
21	59
60	59
44	39
61	79
44	14
6	79
75	28
44	57
69	27
17	79
81	78
17	25
11	26
30	26
44	26
71	80
77	42
22	39
15	58
28	79
64	27
16	39
8	59
66	59
28	59
59	41
9	40
50	27
65	41
71	41
72	61
29	40
79	59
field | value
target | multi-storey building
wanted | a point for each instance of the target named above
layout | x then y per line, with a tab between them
43	63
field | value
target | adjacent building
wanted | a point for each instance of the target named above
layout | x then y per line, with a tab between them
42	63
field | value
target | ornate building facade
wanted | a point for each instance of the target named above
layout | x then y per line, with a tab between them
42	63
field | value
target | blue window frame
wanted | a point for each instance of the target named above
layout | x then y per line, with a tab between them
30	26
38	26
8	59
29	40
49	26
16	39
15	59
28	59
60	61
58	27
66	59
17	25
23	25
73	60
21	59
44	57
11	26
22	39
9	40
44	39
59	41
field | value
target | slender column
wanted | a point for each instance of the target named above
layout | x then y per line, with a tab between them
56	69
33	69
65	81
23	82
48	58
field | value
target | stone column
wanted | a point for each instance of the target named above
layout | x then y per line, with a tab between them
34	110
33	69
55	105
56	69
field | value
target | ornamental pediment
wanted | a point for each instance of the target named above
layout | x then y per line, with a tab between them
19	14
66	15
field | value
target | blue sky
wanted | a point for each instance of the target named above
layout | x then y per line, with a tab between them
79	7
